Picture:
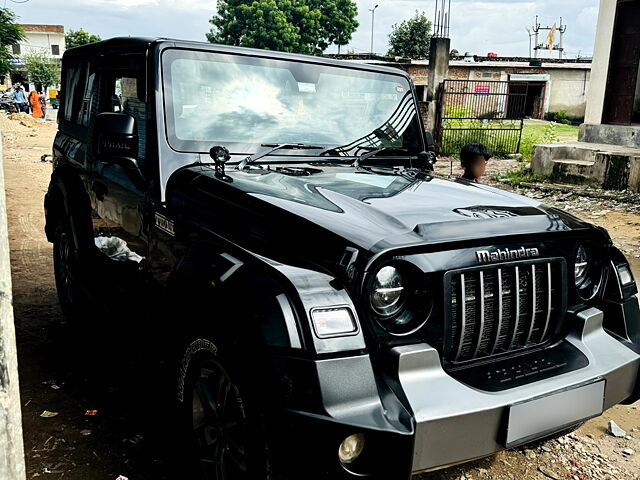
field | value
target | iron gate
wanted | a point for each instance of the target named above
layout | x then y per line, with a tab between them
489	112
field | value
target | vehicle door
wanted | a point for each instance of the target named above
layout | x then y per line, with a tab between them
120	194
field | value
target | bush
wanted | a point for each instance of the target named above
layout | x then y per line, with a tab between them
561	117
520	175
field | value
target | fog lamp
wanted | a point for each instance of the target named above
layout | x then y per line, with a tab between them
351	448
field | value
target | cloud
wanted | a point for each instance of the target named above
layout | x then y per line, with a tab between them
476	26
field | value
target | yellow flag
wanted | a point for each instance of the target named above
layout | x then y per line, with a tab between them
551	36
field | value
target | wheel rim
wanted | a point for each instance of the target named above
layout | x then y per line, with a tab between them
219	425
64	266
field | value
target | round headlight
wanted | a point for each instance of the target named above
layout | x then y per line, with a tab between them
388	292
581	266
588	272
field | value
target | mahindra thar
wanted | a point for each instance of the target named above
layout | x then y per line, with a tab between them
336	310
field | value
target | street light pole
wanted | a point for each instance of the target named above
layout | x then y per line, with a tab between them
373	16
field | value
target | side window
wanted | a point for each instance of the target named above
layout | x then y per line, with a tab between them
124	91
89	100
73	91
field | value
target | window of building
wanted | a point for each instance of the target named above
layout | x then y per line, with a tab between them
55	49
15	49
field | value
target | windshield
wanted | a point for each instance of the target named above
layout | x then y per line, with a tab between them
243	102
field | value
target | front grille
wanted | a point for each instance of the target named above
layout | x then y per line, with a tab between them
502	308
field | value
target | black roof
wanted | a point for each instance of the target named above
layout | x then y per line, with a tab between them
118	44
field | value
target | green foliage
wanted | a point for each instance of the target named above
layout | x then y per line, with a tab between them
76	38
302	26
10	34
411	38
338	22
454	53
453	141
42	70
561	117
551	133
520	175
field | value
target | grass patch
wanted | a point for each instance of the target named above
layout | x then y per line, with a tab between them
520	175
532	134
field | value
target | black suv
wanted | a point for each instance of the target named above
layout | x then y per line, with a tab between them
337	308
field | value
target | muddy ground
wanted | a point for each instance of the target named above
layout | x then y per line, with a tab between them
64	374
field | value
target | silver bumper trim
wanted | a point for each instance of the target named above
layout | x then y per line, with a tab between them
455	422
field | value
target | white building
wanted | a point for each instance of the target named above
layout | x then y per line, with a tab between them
39	39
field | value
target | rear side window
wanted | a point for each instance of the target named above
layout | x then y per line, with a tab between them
74	91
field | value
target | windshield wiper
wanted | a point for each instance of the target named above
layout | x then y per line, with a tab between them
275	147
365	156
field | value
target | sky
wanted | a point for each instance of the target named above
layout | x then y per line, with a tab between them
478	27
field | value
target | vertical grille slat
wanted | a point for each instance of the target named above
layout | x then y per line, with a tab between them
502	308
480	314
516	317
463	315
534	293
500	314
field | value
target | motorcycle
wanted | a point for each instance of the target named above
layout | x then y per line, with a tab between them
8	105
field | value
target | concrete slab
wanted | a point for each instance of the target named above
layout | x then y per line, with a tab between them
614	167
623	135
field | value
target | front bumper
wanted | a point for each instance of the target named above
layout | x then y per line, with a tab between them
416	417
456	423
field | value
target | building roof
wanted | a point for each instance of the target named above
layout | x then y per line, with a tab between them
34	28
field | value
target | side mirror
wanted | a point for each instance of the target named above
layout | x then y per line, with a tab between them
116	136
117	143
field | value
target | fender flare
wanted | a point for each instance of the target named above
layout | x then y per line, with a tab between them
268	300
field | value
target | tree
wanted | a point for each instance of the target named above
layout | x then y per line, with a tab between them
411	38
42	70
338	22
302	26
10	34
75	38
454	53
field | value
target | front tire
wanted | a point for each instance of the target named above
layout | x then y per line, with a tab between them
226	439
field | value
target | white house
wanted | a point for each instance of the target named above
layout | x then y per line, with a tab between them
39	39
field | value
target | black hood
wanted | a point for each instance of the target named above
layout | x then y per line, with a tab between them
371	211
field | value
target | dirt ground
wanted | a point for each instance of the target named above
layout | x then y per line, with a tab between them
124	435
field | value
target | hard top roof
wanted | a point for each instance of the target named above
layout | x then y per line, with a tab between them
122	44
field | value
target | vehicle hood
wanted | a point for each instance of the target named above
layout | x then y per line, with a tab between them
377	212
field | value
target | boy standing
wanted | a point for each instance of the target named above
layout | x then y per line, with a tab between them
473	159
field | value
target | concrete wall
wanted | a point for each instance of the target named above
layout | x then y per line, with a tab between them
600	68
11	447
38	42
568	91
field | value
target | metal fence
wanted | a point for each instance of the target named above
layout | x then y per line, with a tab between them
489	112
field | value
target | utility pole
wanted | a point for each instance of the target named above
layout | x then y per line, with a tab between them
529	32
536	29
557	46
373	16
